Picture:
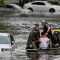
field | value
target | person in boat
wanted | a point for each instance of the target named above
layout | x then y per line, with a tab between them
33	40
36	26
47	30
55	39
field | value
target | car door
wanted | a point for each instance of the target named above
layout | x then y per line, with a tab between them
39	6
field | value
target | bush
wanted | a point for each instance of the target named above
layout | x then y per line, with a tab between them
1	2
32	0
22	3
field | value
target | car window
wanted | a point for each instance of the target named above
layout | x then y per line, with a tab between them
8	6
4	40
38	3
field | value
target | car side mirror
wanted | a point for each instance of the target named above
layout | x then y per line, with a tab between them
12	43
12	40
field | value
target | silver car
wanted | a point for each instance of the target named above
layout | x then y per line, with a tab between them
6	42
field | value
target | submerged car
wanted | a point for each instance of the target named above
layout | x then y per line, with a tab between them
42	6
14	8
22	11
6	42
8	8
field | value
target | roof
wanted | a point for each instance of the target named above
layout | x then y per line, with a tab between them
4	34
40	1
43	2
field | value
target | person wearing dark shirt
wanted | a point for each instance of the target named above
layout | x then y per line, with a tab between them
47	31
33	40
36	26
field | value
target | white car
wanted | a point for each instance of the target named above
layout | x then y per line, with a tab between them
6	42
22	11
42	6
9	8
15	8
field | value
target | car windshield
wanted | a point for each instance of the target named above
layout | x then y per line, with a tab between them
4	40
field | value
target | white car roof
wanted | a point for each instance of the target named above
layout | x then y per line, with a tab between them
12	4
42	1
39	1
4	34
16	6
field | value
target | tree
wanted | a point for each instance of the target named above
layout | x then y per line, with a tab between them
1	2
32	0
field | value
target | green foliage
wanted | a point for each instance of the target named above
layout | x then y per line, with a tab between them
32	0
22	3
1	2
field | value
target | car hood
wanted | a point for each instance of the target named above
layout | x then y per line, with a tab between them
26	11
5	46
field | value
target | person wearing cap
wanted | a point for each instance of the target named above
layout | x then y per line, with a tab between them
47	31
33	40
36	26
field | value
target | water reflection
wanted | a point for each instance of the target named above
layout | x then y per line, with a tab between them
20	27
37	56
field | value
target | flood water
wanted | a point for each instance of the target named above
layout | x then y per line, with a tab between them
20	27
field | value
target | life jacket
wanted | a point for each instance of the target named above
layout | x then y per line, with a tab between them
43	36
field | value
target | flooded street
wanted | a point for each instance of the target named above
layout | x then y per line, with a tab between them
20	27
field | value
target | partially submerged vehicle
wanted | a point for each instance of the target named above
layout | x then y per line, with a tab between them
14	8
42	6
54	49
6	42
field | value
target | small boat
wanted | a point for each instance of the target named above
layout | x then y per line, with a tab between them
48	50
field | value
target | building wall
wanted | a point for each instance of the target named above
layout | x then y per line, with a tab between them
11	1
